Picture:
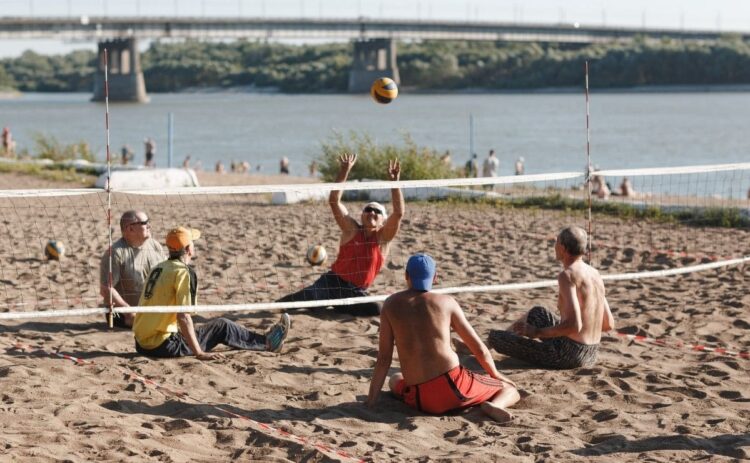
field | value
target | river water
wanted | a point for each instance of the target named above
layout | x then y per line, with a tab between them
548	130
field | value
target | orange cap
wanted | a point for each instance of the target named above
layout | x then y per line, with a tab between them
179	237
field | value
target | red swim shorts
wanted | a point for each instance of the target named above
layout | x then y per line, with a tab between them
459	388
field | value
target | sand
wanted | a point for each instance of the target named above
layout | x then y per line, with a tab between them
641	402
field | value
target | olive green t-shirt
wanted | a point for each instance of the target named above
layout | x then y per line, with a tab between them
130	267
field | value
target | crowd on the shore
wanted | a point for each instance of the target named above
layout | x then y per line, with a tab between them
490	167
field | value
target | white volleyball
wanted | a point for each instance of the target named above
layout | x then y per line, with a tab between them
54	250
316	255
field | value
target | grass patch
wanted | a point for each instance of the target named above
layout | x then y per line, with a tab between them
730	217
49	172
47	147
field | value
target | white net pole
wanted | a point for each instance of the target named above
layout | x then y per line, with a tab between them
588	167
110	302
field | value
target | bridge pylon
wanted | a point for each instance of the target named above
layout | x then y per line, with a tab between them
126	81
372	59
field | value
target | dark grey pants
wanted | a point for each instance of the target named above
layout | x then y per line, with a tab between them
211	334
331	286
557	353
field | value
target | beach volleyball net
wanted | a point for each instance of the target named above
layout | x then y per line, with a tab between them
255	238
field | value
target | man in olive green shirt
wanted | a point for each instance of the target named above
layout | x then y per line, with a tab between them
133	257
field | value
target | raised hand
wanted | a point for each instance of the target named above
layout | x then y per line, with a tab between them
347	161
394	170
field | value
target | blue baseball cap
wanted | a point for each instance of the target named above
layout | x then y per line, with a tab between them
421	271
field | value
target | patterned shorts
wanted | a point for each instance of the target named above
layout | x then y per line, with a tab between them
556	353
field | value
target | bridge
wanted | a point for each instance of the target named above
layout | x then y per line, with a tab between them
374	39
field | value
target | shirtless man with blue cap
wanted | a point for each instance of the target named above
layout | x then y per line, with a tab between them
419	322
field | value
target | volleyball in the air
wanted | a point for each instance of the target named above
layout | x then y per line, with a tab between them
54	250
316	255
384	90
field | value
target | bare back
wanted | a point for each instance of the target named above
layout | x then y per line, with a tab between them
583	282
421	323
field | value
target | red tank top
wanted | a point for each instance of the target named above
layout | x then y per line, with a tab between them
359	260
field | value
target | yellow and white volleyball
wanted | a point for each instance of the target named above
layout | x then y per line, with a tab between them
54	250
316	255
384	90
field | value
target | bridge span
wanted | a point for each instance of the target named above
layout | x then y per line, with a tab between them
374	39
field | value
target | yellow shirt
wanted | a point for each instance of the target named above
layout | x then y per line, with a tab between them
169	283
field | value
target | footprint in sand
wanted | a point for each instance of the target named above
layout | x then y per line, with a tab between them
605	415
732	395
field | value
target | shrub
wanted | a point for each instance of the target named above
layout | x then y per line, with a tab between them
48	147
417	163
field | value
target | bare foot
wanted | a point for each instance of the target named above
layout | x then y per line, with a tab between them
498	414
460	347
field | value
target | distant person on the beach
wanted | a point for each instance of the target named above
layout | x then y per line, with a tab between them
490	167
471	169
133	256
519	166
9	145
419	323
313	168
363	248
599	187
126	155
572	339
150	147
174	283
626	188
233	166
244	167
219	167
284	166
446	158
186	162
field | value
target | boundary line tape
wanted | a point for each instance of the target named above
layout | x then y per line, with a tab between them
262	427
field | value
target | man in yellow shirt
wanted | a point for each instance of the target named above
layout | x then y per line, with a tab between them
174	283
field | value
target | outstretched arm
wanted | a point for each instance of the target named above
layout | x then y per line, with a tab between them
462	327
187	330
393	223
185	321
385	357
608	321
104	288
570	313
117	299
340	214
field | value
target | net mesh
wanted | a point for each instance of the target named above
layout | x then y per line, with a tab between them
254	243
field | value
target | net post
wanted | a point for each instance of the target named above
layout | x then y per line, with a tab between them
110	303
588	162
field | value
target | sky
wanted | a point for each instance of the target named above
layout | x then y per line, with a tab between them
716	15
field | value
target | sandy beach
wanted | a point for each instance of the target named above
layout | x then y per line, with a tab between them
641	402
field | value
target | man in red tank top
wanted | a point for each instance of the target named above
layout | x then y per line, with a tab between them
363	247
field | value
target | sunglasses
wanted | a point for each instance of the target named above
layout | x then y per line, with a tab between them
373	210
143	222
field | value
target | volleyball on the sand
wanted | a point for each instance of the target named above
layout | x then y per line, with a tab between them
316	255
384	90
54	250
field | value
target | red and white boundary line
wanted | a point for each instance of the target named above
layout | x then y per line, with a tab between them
261	427
680	344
